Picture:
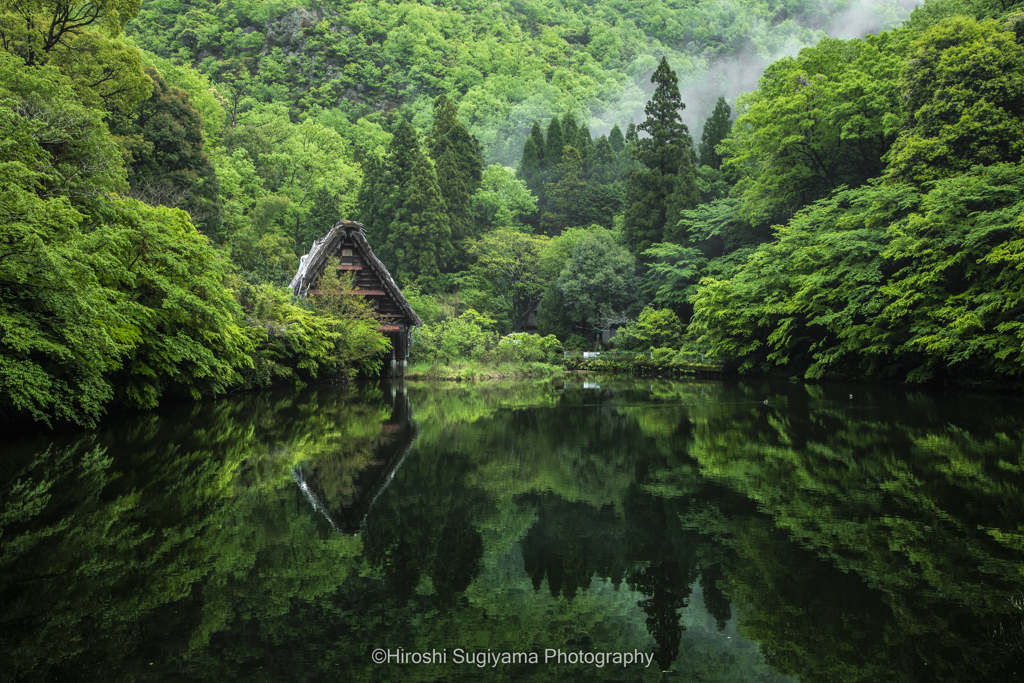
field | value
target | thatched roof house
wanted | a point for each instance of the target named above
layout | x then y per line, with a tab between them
346	241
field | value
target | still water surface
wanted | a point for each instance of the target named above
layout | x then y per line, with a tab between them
563	531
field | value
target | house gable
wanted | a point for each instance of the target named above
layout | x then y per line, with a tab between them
346	241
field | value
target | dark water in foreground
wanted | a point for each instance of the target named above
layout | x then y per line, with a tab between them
604	530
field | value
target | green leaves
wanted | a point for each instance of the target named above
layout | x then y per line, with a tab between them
190	342
881	281
60	329
954	292
510	261
816	122
652	329
811	300
599	280
964	84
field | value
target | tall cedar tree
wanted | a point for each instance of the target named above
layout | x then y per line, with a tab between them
459	162
617	140
420	237
602	198
583	140
376	206
537	135
554	145
566	195
667	185
716	128
532	171
529	170
570	132
554	150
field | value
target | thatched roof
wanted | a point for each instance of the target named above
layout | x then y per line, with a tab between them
311	266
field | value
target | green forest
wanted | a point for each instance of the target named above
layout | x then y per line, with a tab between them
747	181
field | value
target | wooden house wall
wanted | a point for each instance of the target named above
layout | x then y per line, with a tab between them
368	283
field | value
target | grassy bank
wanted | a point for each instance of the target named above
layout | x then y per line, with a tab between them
470	370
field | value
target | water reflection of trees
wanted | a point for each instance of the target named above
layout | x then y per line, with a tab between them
913	505
424	529
878	539
128	549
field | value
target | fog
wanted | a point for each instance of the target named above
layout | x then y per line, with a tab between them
736	74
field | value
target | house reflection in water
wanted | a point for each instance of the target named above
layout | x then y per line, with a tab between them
347	506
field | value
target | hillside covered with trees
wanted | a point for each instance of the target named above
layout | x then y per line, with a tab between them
856	212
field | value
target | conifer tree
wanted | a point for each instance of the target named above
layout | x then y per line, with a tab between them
631	134
600	166
583	140
554	145
537	135
533	171
716	128
665	183
570	131
529	170
459	162
419	237
375	206
617	140
169	166
382	191
566	195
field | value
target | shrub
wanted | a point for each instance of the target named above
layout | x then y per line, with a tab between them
527	348
659	328
467	337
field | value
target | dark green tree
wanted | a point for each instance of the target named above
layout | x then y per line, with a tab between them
459	163
602	163
716	603
552	318
715	129
169	167
383	191
553	146
631	134
376	206
617	140
570	130
603	195
583	139
537	135
667	587
531	171
599	280
665	184
565	195
419	237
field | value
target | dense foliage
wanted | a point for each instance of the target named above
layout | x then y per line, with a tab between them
859	216
104	297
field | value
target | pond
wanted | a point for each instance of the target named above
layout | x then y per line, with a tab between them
570	530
